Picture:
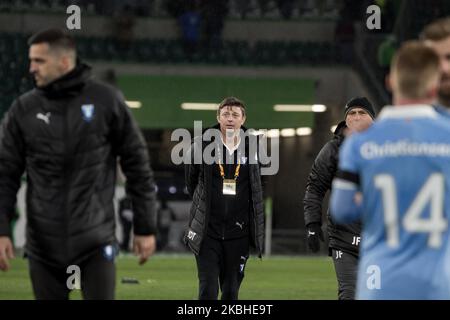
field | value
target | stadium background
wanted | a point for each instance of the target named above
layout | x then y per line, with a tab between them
265	52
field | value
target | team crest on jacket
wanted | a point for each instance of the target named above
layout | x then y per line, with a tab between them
87	110
109	252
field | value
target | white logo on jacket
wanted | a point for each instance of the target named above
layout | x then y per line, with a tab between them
356	241
191	235
87	111
44	117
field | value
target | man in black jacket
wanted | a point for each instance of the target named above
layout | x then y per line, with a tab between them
226	216
66	134
343	239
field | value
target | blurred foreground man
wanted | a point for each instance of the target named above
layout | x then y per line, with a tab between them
66	135
401	166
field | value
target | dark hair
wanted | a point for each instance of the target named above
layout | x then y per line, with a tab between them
231	102
56	38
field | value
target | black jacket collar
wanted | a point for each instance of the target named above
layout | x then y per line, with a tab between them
69	84
339	131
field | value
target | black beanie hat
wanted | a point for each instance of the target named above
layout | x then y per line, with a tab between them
360	102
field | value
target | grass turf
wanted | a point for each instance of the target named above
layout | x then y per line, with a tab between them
174	277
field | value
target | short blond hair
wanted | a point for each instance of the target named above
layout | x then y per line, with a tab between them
415	66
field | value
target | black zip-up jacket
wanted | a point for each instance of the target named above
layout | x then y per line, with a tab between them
230	214
199	184
67	137
341	237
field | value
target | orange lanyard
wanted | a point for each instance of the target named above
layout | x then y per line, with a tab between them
236	171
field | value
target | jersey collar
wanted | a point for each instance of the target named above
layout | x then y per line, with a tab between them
408	111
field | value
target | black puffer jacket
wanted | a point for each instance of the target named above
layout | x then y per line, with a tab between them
198	182
67	137
341	237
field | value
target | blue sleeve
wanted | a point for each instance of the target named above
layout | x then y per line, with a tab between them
349	155
343	208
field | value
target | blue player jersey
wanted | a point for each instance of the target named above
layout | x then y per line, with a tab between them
443	111
401	164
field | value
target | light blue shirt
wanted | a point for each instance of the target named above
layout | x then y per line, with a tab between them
401	164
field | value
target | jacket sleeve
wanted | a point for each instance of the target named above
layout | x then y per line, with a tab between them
131	148
319	182
12	166
191	171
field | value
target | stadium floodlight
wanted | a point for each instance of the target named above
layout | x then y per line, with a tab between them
299	108
304	131
319	108
199	106
134	104
273	133
288	132
172	190
257	132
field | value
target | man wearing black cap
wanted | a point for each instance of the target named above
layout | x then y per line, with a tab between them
343	239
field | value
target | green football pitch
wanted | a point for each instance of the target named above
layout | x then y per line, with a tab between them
174	277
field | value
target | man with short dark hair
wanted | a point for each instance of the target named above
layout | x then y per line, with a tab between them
226	216
343	239
67	134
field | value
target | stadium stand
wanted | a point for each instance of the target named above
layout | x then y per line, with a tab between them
14	60
237	9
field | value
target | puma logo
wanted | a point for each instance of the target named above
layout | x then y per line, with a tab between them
240	225
44	117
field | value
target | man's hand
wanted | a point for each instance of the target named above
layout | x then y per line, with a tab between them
314	234
144	247
6	252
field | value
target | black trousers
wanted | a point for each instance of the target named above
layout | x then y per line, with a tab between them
97	275
346	267
221	262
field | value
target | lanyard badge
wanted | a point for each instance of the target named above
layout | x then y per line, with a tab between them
229	185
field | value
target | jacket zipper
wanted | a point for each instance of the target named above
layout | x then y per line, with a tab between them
224	221
224	218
